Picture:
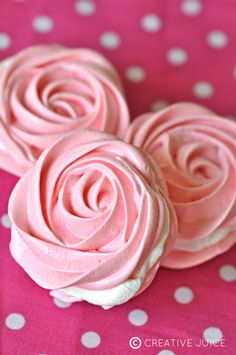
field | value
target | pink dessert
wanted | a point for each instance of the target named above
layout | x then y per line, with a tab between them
91	220
46	91
196	151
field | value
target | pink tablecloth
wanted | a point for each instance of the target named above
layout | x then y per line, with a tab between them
165	51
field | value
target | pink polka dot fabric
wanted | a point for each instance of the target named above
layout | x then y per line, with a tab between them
165	51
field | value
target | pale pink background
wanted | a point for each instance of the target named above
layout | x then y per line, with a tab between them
52	330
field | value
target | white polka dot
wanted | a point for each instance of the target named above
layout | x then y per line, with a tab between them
110	40
15	321
135	74
159	105
166	352
151	23
191	7
212	335
203	89
91	339
85	7
183	295
5	220
61	304
5	41
228	273
177	56
217	39
138	317
43	24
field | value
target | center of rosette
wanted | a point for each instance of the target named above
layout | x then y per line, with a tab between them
190	162
66	93
87	195
89	202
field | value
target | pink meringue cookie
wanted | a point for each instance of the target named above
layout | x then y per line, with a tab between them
46	91
91	220
196	151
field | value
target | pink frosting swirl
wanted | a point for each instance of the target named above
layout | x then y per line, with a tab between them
46	91
196	151
91	217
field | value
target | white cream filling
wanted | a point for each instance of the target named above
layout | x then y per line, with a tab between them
125	291
191	245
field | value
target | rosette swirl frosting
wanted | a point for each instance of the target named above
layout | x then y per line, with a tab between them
46	91
91	219
196	151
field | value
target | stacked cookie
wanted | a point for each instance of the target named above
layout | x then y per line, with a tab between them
102	203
